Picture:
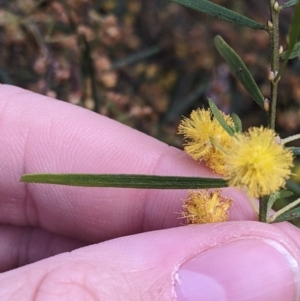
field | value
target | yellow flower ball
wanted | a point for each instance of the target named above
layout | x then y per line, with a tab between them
198	131
257	162
201	207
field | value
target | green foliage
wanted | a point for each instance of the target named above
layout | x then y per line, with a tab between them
239	69
295	52
289	3
125	181
237	122
217	114
275	196
220	12
291	214
292	37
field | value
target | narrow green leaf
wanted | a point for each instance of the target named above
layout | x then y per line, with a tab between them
217	114
285	194
292	38
294	53
277	195
291	214
283	211
239	69
272	199
125	181
221	13
237	122
289	3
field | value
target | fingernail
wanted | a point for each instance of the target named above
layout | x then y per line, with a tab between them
245	269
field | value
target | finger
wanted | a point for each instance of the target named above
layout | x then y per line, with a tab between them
42	135
229	261
21	246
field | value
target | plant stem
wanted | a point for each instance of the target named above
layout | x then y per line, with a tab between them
274	40
289	139
283	210
263	209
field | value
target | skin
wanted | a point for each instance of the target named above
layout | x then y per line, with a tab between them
110	244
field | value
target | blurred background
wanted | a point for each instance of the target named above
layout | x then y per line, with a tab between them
143	63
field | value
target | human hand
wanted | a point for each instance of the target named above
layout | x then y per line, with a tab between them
127	243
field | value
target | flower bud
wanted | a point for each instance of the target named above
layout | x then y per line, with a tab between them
270	25
266	104
271	76
276	6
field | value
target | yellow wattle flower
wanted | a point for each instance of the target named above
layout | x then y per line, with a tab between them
203	206
198	130
255	161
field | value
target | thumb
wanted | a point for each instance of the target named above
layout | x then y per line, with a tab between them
227	261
